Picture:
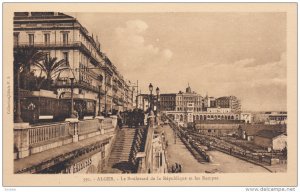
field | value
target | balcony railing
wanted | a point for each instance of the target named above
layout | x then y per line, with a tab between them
72	45
83	85
89	72
145	164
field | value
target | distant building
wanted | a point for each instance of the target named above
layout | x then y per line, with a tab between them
248	131
218	110
276	118
218	128
270	117
143	101
271	140
168	102
209	102
246	117
183	99
231	102
190	106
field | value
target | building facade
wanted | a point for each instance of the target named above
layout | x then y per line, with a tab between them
246	117
270	117
168	102
271	140
218	128
62	36
190	106
230	102
276	118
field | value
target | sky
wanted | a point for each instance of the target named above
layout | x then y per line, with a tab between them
217	54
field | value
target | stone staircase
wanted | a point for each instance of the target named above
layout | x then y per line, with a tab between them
119	160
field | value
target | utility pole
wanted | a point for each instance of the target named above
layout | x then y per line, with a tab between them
137	93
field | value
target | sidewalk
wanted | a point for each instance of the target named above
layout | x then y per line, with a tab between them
178	153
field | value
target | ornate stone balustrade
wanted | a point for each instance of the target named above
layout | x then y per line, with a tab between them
30	139
88	126
47	132
145	157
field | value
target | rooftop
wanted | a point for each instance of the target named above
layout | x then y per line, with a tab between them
253	129
40	15
269	133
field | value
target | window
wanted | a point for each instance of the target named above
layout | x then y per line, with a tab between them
16	38
65	38
47	38
31	39
66	57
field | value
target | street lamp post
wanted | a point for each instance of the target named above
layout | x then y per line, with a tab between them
72	98
18	108
157	105
99	103
157	99
151	89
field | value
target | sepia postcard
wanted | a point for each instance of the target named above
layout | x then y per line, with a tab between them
150	94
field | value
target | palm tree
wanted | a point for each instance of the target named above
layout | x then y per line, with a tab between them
23	59
52	68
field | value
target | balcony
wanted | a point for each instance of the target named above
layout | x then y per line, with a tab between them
118	101
56	46
108	70
82	85
88	71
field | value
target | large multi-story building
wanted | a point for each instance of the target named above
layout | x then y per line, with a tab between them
62	36
184	98
231	102
168	102
190	106
180	101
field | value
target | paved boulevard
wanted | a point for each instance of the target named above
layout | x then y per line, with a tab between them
220	161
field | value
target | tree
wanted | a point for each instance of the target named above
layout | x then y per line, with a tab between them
23	58
35	83
51	68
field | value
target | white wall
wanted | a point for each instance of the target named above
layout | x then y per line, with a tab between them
279	142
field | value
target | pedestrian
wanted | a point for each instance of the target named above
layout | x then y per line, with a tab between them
79	108
135	117
143	118
173	169
119	120
179	168
125	118
130	118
